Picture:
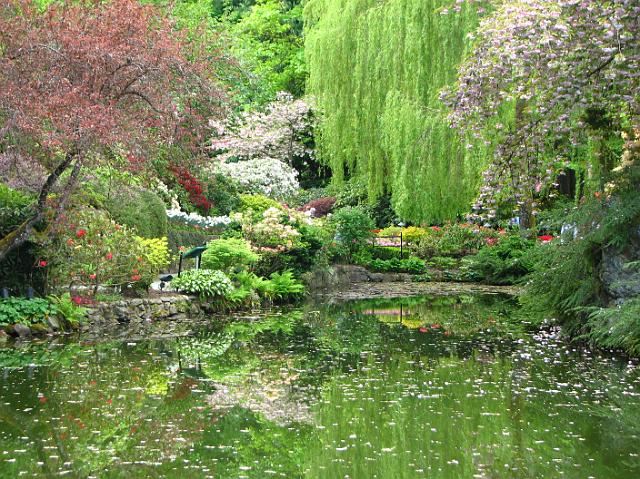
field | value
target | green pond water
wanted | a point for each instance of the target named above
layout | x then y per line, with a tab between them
431	387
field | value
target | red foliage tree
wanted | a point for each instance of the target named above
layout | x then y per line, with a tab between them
81	77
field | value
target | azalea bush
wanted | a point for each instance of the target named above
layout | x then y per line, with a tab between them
205	283
90	249
273	231
266	176
320	207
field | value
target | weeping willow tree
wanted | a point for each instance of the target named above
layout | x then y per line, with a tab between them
376	70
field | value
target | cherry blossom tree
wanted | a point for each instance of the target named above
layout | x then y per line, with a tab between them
548	68
281	132
82	77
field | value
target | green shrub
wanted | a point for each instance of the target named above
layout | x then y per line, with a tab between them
223	193
17	269
258	204
26	311
185	236
140	209
284	287
227	254
67	309
15	208
412	234
566	283
353	227
443	262
507	262
616	327
386	252
409	265
204	282
422	278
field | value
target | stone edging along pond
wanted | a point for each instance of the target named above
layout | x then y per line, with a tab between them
339	283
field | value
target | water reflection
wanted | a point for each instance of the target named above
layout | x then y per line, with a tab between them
439	387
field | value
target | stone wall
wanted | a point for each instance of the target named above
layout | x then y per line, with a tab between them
172	308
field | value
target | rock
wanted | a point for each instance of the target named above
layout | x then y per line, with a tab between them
22	331
619	280
40	328
53	322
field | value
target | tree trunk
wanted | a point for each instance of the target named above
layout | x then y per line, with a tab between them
22	233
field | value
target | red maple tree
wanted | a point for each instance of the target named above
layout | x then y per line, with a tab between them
81	77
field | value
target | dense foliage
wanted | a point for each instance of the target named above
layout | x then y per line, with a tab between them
376	71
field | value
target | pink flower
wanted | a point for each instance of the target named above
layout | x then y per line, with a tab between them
42	263
80	233
92	276
136	277
77	300
109	256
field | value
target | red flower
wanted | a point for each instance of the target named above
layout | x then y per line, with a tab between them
77	300
436	228
136	277
424	330
80	233
92	276
42	263
109	256
545	238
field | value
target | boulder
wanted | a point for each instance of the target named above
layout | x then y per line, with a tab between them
22	331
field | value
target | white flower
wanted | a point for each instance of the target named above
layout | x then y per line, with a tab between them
198	220
266	176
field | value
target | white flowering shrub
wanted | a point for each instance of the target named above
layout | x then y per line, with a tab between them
266	176
194	219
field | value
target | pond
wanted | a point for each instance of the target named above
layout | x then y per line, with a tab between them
429	387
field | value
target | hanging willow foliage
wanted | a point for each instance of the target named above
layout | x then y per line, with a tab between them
376	70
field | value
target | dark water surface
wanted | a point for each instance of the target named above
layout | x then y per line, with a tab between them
433	387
